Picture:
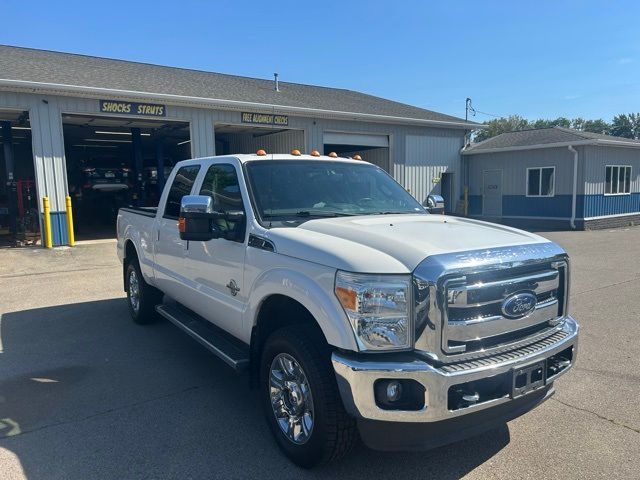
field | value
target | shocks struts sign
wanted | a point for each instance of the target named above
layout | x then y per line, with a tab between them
133	108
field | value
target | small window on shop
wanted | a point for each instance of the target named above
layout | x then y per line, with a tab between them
617	180
541	182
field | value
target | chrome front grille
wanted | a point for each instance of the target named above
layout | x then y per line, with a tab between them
473	316
462	299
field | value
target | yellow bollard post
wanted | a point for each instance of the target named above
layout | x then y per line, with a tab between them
72	239
466	201
47	222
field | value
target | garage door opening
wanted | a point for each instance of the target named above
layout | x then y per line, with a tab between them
19	214
233	139
113	162
372	148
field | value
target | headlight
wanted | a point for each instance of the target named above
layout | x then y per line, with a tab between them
378	307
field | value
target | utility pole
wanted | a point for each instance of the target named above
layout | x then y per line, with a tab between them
468	108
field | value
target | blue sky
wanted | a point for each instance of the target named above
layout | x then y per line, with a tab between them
537	58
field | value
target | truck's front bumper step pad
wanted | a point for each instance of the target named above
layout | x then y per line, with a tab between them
233	352
452	392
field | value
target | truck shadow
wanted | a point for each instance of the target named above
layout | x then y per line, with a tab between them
85	393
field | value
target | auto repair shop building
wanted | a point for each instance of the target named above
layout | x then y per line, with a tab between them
106	132
555	178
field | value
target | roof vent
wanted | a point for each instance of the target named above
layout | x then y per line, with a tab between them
275	79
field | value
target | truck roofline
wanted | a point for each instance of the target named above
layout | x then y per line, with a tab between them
243	158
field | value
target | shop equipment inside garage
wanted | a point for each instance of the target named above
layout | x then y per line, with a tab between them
112	162
19	218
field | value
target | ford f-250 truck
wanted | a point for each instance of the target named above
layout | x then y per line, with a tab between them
357	313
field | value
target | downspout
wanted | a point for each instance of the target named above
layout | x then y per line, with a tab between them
575	187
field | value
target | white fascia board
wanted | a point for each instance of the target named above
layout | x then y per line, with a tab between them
529	147
182	100
616	143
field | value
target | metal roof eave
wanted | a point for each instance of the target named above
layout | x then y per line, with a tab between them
182	100
600	142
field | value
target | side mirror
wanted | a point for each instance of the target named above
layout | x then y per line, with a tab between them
434	204
196	218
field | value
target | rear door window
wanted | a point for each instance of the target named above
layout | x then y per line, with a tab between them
181	186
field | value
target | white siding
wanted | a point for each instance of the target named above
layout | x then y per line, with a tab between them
427	157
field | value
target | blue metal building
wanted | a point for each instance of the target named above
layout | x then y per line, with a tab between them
555	178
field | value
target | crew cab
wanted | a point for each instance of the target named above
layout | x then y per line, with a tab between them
355	311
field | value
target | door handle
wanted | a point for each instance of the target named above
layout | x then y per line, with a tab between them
233	287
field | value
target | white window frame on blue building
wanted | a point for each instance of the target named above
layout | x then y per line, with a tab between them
553	182
625	183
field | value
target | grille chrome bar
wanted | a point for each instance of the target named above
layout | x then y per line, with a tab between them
485	327
480	294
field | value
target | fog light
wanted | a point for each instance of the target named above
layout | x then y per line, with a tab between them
395	394
394	391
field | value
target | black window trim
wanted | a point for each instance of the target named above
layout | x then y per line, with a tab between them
195	181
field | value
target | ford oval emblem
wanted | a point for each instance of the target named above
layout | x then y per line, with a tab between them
519	305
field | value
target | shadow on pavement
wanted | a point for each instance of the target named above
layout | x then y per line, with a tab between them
85	393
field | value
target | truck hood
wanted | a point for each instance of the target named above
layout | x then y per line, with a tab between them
391	243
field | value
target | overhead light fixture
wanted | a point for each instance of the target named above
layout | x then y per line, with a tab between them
108	141
106	132
20	128
186	141
95	146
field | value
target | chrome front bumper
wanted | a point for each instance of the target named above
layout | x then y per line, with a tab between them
356	375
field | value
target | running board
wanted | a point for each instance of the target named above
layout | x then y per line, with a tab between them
230	350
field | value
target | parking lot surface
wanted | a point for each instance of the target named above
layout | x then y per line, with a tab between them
85	393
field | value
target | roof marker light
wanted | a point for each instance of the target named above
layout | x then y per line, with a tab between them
261	153
333	154
357	157
295	152
315	153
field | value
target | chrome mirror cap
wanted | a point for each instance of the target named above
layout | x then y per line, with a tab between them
196	204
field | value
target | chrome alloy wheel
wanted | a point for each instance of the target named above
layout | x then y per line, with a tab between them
134	290
291	398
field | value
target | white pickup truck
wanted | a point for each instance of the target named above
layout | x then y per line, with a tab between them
356	312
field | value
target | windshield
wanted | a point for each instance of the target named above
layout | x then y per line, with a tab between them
292	191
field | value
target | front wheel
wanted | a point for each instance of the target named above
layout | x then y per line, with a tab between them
301	399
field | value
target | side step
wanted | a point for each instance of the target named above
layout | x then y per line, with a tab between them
231	350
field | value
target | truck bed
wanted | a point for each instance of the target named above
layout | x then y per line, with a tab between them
146	211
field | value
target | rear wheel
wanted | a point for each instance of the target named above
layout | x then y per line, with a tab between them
142	298
301	399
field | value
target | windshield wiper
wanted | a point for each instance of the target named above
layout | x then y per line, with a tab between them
388	213
308	213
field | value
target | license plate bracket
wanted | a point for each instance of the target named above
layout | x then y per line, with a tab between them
529	378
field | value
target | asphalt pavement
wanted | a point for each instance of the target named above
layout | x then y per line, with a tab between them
85	393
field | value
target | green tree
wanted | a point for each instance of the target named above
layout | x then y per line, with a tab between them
596	126
626	125
558	122
501	125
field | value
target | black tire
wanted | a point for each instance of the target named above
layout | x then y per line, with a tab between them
147	296
334	432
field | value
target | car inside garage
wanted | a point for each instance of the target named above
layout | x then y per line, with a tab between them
112	162
372	148
19	218
232	139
